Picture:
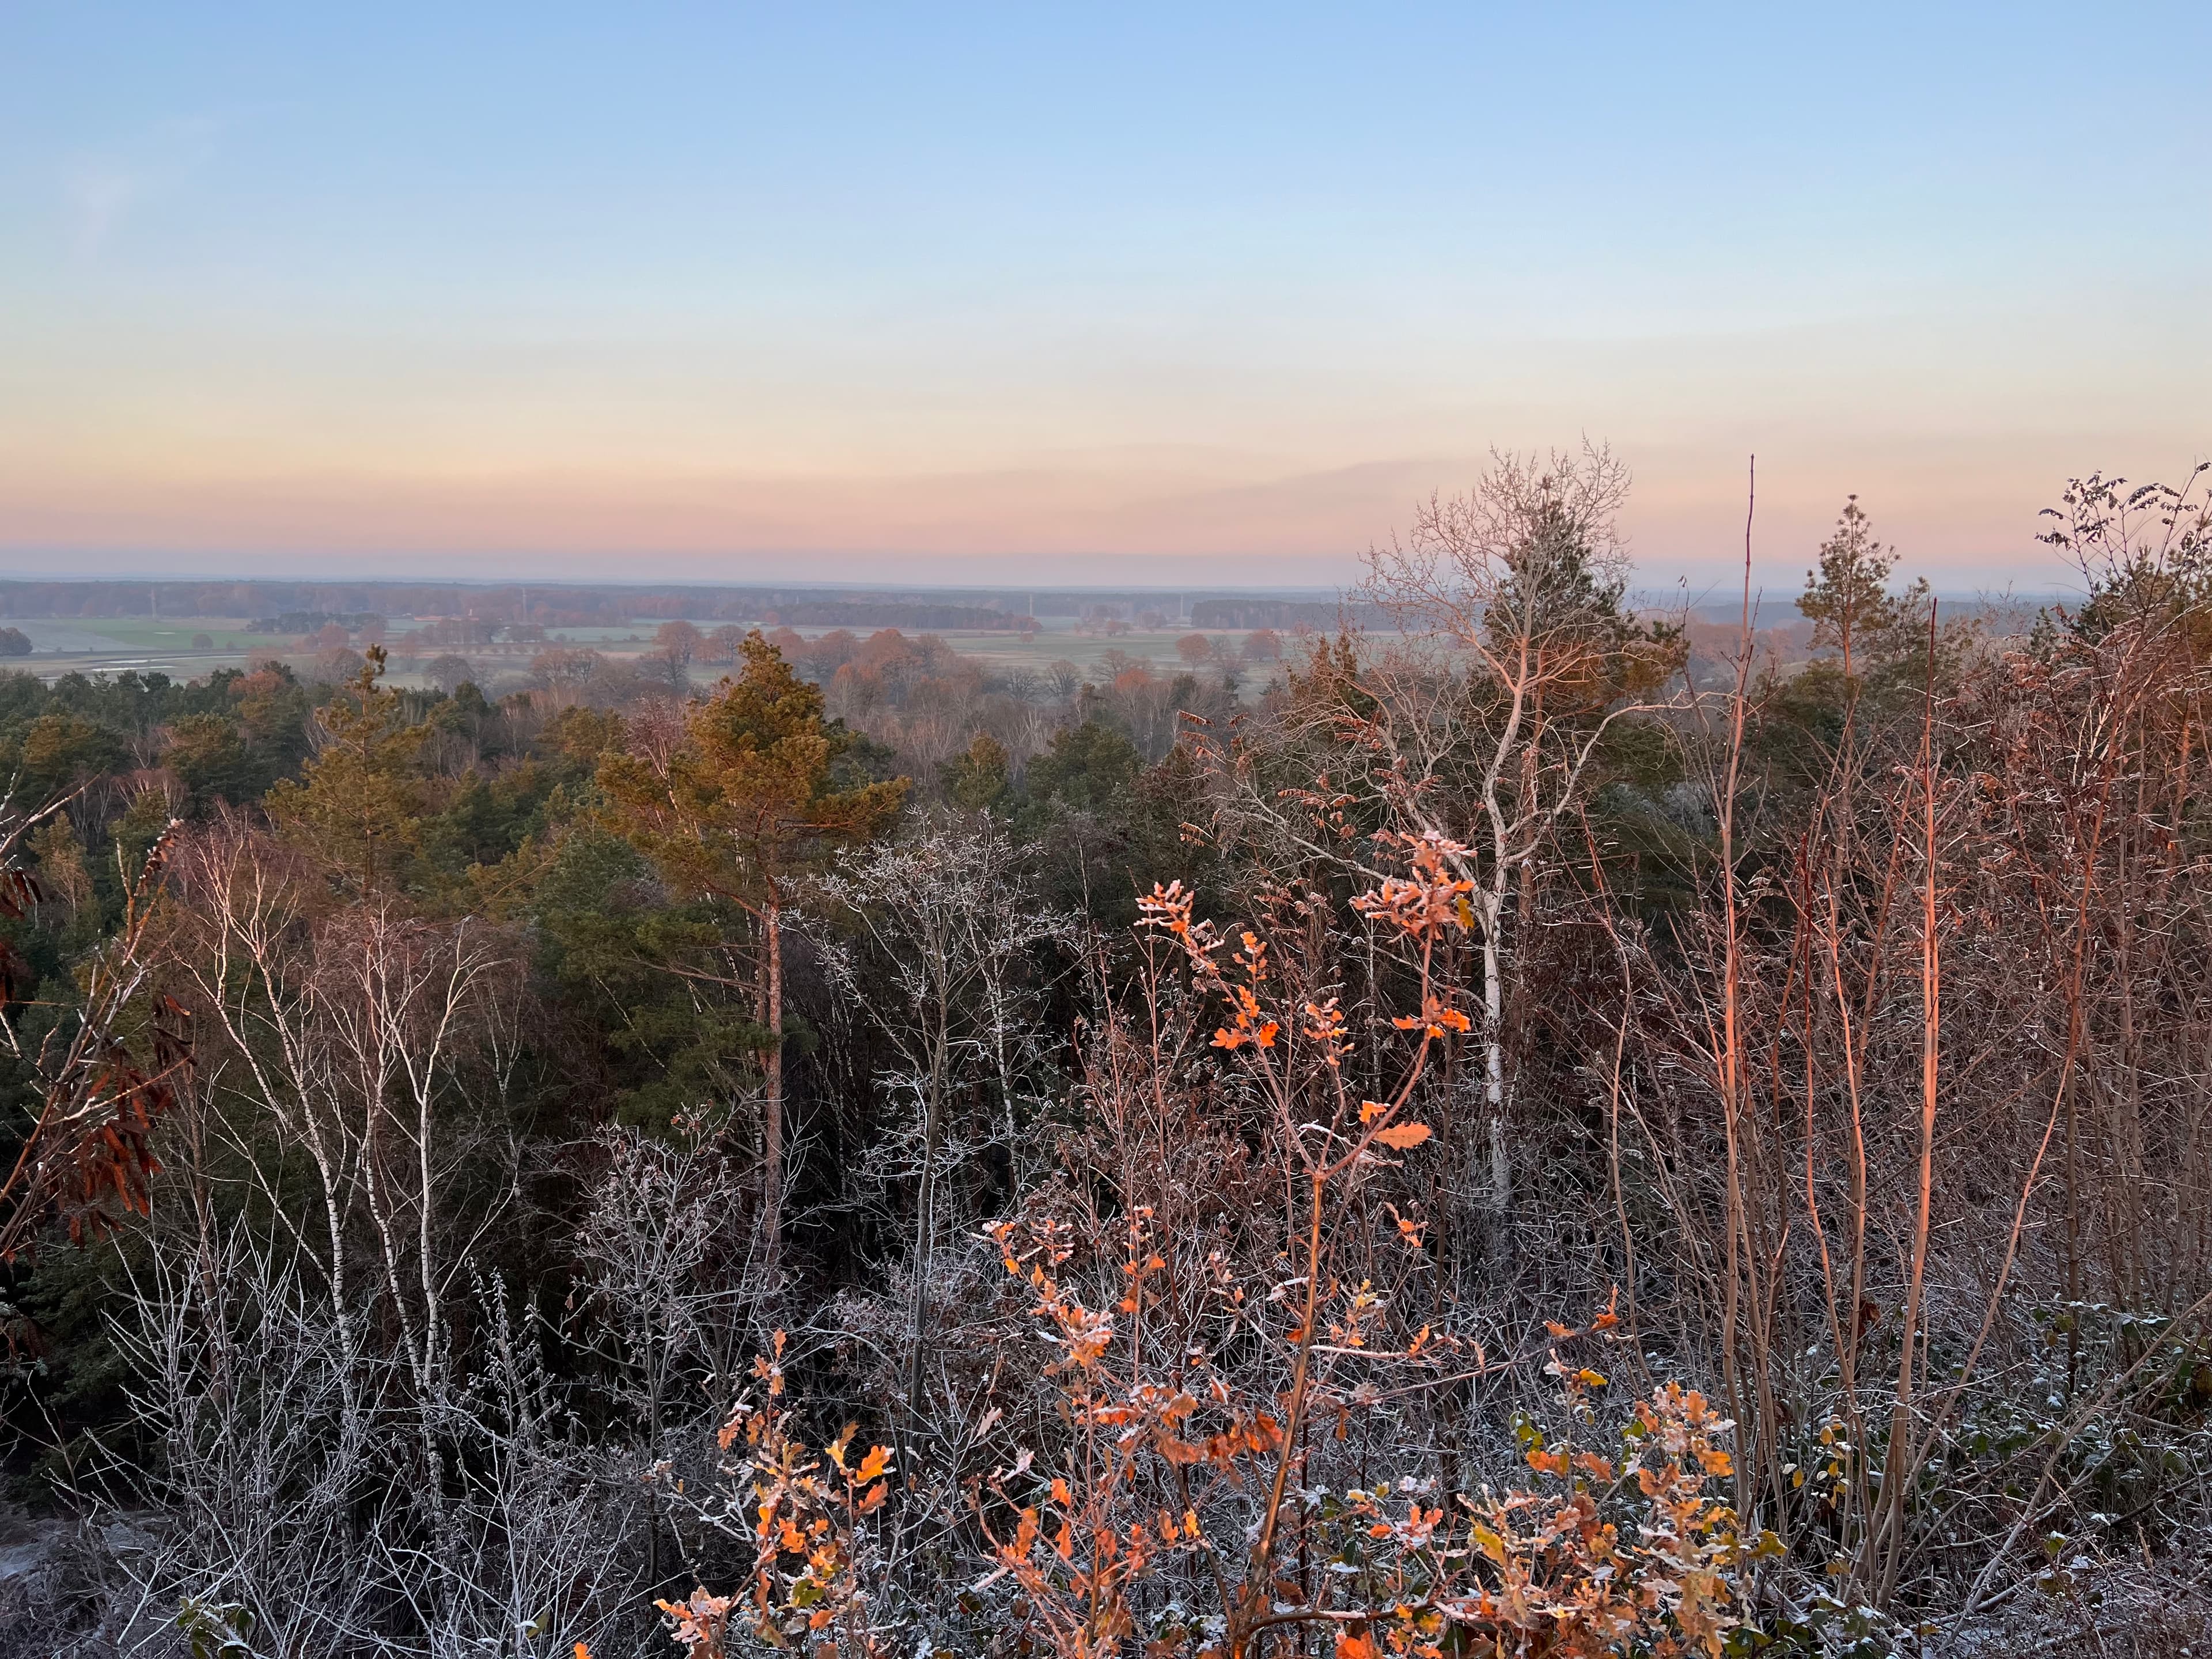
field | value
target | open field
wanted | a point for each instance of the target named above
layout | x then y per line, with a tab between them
112	645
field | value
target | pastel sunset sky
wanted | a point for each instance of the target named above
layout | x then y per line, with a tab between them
1109	293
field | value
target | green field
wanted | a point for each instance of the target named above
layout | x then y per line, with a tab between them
113	644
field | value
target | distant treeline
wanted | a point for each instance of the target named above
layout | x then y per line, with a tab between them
1258	612
309	622
890	613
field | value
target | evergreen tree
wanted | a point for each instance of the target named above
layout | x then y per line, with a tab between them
747	797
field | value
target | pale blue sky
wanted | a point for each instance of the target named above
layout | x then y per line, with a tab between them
952	291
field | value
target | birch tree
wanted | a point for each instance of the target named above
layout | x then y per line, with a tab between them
1521	653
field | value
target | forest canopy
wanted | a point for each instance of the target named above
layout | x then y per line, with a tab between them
1511	1123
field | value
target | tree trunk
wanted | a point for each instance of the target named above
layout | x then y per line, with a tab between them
1493	1078
772	1103
924	1220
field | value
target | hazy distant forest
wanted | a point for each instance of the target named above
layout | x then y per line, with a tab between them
1516	1125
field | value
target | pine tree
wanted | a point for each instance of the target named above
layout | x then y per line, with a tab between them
1848	601
358	804
747	798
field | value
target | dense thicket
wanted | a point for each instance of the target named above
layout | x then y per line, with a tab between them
879	1152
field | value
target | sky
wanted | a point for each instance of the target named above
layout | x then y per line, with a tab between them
1117	294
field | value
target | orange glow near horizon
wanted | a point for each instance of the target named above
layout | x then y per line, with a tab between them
1071	296
1209	520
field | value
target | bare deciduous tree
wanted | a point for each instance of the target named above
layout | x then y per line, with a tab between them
958	941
